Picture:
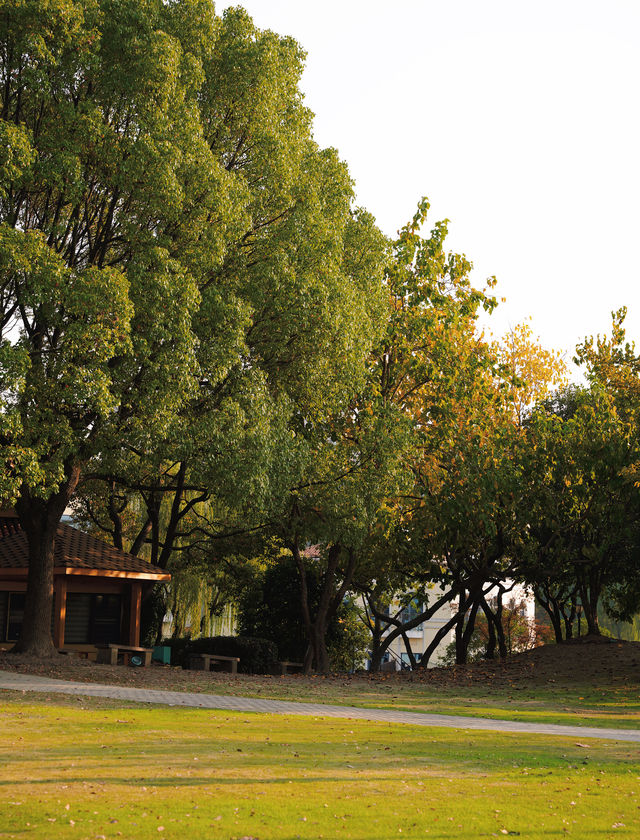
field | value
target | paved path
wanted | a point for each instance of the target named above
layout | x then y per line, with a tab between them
28	682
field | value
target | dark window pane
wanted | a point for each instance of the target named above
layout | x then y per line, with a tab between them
16	615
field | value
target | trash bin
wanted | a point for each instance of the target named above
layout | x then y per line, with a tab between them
162	654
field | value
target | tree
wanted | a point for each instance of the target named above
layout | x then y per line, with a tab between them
163	211
467	518
582	504
531	370
430	353
96	311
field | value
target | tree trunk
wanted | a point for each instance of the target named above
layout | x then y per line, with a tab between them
376	637
442	631
569	619
399	628
550	606
490	652
590	595
330	600
407	647
464	633
499	624
39	520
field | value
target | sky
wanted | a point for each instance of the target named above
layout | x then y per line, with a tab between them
518	120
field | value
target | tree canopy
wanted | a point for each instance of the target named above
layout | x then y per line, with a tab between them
180	263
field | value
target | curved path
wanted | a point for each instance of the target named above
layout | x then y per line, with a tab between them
28	682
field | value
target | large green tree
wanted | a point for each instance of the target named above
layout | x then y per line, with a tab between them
179	264
358	496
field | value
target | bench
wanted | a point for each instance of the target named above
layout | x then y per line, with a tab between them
287	667
207	661
89	652
109	654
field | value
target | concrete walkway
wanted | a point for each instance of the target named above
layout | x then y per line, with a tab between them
28	682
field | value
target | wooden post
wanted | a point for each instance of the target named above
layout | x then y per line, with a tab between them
60	607
134	615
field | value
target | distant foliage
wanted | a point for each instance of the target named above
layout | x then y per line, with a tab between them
521	634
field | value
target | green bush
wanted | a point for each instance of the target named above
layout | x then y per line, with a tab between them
257	656
270	606
348	639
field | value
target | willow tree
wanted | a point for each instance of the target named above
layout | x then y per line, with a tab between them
172	255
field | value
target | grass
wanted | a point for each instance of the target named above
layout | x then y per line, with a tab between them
90	768
615	706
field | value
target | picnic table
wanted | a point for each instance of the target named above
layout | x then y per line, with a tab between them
213	661
110	654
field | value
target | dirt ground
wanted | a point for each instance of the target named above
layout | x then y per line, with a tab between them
589	660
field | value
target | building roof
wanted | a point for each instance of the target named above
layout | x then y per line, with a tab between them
76	553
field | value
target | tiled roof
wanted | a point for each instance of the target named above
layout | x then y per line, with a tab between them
74	551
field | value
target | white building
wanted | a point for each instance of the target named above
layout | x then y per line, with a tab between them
422	635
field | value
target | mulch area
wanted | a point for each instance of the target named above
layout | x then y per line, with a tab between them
589	661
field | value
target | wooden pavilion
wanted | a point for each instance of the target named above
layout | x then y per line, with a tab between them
98	589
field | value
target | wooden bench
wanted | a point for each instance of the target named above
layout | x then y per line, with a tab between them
287	667
109	654
207	661
89	652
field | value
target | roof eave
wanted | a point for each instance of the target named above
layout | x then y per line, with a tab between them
21	572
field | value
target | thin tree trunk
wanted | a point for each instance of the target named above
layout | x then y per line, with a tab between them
569	619
490	652
409	625
442	632
550	606
499	624
464	633
410	654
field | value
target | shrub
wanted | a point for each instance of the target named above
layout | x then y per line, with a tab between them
270	606
348	639
257	656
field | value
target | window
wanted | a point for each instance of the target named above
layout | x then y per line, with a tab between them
404	656
11	615
92	618
410	611
15	615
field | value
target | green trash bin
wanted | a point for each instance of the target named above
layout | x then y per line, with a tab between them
162	654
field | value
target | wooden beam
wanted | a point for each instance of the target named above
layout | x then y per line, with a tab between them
134	614
60	607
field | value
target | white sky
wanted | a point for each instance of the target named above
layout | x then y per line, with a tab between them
519	120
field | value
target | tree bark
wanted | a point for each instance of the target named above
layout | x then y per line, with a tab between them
590	595
39	519
464	633
442	631
399	628
550	606
330	600
490	652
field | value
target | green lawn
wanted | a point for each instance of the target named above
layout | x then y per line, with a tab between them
86	768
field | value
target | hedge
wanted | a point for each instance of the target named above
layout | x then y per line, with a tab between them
257	656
